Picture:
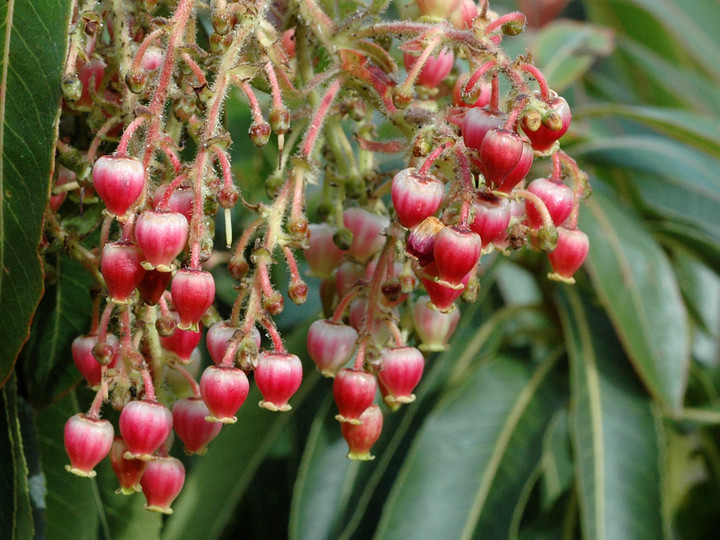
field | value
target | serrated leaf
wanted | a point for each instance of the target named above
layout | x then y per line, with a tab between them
695	129
16	517
614	432
63	314
637	287
470	461
565	50
32	52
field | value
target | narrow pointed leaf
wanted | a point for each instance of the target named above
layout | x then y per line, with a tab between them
217	481
694	129
64	313
565	50
637	286
557	460
614	433
325	479
33	41
16	519
469	464
71	505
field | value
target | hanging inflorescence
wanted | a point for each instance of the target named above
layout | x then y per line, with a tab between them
143	131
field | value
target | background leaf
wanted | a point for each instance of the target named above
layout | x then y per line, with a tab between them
64	313
33	50
637	286
614	432
476	449
16	519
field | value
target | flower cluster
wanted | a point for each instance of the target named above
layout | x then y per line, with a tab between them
394	248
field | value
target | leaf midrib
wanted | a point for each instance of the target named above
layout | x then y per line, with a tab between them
501	445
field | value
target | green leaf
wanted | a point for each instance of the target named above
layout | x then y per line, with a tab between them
64	313
470	461
325	480
565	50
125	515
557	460
33	37
693	128
217	481
692	24
698	92
636	285
614	432
678	183
16	519
70	512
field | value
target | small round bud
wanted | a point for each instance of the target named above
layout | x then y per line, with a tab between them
402	98
280	120
259	133
72	87
298	291
343	238
547	237
222	21
228	196
136	81
273	304
514	27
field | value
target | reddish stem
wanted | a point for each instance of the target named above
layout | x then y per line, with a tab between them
513	117
515	16
318	119
475	77
195	68
104	322
557	167
171	155
172	186
540	78
224	165
274	86
149	39
272	331
397	335
462	159
343	305
495	93
432	157
188	377
254	104
94	412
107	126
125	139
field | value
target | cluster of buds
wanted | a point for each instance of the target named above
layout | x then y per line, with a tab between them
136	94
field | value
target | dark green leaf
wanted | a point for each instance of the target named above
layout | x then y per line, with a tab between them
217	481
636	284
469	464
33	49
72	511
126	516
614	432
325	479
64	313
16	518
557	460
694	129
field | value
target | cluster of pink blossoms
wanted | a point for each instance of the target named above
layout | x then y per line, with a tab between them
391	241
